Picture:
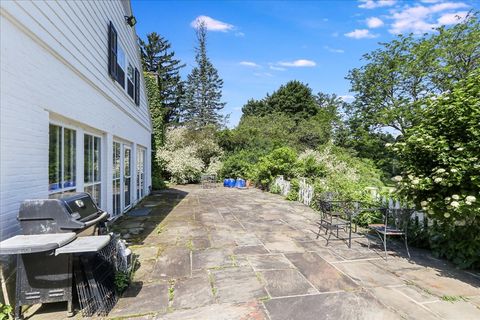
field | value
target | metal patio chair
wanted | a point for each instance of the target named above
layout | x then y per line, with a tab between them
395	223
336	216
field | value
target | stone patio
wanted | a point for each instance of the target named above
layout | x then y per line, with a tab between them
245	254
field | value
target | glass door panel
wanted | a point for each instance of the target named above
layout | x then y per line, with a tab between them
127	159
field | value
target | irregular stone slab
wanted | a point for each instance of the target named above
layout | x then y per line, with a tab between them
173	263
144	271
286	283
457	284
342	305
212	258
237	285
320	273
201	243
368	274
193	292
404	306
243	311
416	294
269	262
246	239
316	246
145	252
140	299
250	250
456	310
283	246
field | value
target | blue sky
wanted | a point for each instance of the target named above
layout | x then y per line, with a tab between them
259	45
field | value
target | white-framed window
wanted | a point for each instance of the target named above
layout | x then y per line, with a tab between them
120	68
61	159
92	166
116	179
141	152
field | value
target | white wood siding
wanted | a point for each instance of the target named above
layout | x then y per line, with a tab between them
78	32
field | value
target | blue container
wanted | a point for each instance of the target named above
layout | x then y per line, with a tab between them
231	183
240	183
225	182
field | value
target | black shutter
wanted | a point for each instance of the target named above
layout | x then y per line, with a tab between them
112	51
137	87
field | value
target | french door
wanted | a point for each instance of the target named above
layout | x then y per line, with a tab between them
121	177
140	173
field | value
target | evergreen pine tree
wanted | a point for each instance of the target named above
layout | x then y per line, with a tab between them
203	92
158	59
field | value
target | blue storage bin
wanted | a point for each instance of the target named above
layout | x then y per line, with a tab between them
240	183
225	182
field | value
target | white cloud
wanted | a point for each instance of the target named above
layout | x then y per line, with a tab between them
263	74
334	50
347	98
372	4
361	34
298	63
452	18
272	67
374	22
430	1
421	19
249	64
211	24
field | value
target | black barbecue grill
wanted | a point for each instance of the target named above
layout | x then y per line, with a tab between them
72	212
62	237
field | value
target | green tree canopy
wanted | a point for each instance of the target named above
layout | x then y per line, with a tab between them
406	70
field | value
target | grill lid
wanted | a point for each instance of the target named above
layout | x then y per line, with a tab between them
80	205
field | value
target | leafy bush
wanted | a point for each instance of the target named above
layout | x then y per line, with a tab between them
333	169
280	161
5	312
240	164
440	159
294	188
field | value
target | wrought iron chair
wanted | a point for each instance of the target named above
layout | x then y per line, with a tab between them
395	223
336	216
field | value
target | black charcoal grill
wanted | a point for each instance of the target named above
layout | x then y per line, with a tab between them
62	236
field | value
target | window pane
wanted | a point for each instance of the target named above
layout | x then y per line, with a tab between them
127	162
69	158
116	160
54	158
97	159
87	158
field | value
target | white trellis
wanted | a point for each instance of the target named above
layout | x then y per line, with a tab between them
305	192
283	185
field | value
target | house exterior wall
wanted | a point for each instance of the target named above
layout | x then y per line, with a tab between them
54	70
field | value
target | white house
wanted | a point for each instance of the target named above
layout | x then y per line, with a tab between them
74	114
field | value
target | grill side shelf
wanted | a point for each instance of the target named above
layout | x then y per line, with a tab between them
24	244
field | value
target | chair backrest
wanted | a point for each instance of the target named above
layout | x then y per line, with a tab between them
399	217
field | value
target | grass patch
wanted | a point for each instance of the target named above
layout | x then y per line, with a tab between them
453	299
171	290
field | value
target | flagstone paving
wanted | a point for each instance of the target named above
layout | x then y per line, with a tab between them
226	254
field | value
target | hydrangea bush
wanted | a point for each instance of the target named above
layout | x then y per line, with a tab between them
440	158
184	158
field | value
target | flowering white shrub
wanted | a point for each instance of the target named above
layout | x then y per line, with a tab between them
184	157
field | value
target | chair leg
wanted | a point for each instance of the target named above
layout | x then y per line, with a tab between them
350	236
385	246
318	233
406	246
329	235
